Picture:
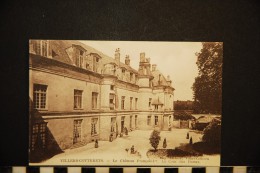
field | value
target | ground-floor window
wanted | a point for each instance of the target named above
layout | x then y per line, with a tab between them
149	120
155	120
135	121
38	140
122	124
77	131
113	124
94	126
131	117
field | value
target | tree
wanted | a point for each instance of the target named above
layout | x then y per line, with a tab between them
207	88
155	139
212	133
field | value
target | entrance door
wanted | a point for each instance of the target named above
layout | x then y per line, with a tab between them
122	124
77	131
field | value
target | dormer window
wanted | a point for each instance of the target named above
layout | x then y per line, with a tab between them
42	48
131	77
79	58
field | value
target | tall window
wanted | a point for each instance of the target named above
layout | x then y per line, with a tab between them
94	100
131	103
155	120
123	102
42	48
94	126
149	120
150	102
39	96
135	121
122	124
111	101
156	107
113	124
112	87
136	99
79	58
38	140
78	99
123	72
131	77
77	131
131	118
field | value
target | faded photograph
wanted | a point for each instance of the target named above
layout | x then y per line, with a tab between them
127	103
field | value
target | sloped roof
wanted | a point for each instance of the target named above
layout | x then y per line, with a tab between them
155	81
60	46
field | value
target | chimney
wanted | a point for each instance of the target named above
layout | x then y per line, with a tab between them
127	60
117	56
142	57
154	67
169	82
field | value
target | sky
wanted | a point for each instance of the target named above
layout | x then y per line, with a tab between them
176	59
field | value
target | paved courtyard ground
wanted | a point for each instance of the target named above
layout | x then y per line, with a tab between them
117	148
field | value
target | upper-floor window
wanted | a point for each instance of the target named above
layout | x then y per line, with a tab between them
136	100
112	87
131	77
123	102
111	101
94	100
150	102
42	48
156	107
79	58
131	103
39	96
78	99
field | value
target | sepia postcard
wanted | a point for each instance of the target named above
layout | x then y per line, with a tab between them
125	103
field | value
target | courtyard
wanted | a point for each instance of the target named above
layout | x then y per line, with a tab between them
121	146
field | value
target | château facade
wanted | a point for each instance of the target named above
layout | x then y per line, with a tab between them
79	95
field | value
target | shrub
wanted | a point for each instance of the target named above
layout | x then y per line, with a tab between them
191	141
182	115
212	133
155	139
164	143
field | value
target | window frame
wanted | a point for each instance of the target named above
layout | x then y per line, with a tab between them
123	103
39	97
156	120
81	99
94	96
149	120
94	126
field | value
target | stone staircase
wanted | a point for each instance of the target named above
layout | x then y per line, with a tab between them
78	145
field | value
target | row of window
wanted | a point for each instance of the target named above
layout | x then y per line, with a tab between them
40	95
149	120
131	103
40	98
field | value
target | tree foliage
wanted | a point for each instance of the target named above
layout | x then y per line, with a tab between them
155	139
207	88
212	133
182	115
